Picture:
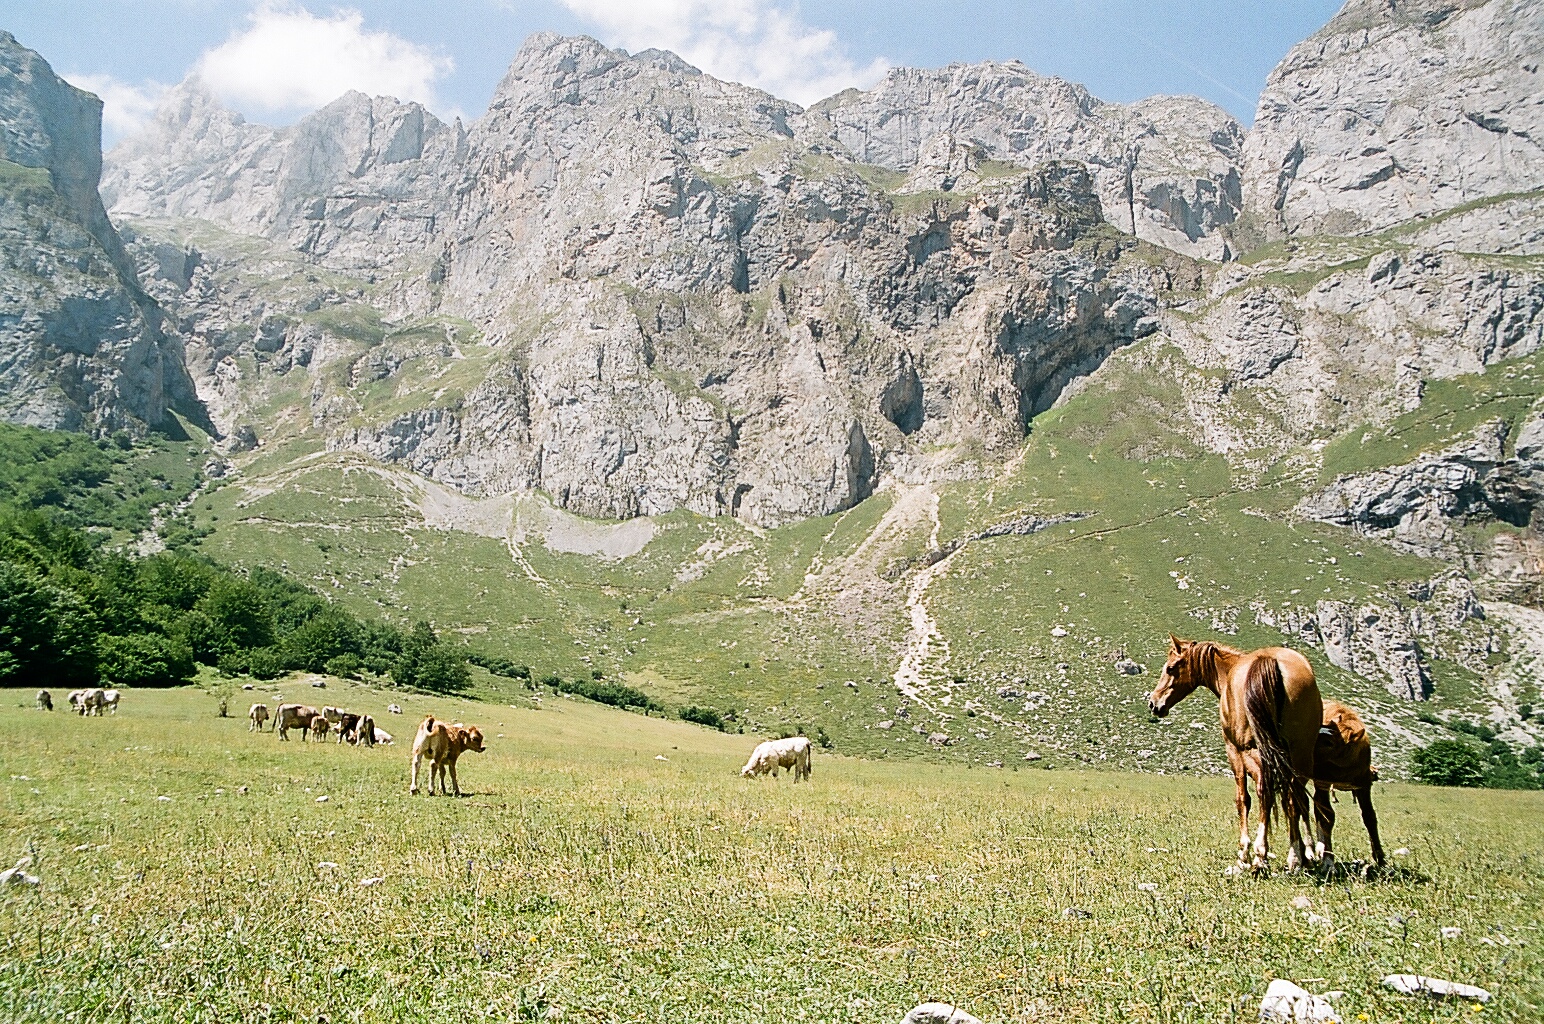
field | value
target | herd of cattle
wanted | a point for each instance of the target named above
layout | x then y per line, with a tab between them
319	724
442	743
83	702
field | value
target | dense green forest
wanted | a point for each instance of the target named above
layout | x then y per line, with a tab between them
76	609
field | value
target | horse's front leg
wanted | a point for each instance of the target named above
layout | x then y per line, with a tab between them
1240	800
1260	858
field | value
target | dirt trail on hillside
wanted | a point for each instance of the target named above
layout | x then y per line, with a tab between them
924	641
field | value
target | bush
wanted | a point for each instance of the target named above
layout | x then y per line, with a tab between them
143	659
319	639
703	716
499	666
1525	711
344	666
1449	763
426	664
614	694
265	663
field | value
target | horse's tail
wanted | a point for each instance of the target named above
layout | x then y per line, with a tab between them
1265	694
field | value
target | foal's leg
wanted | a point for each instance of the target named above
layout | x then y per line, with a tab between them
1324	822
1370	819
1297	812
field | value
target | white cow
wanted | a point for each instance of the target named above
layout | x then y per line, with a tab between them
110	700
74	697
91	702
382	736
792	753
257	714
395	709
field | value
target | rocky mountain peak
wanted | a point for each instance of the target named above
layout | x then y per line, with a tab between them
1397	110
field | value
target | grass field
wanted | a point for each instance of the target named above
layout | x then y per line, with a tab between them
607	867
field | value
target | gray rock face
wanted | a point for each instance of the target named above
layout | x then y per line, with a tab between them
1166	169
1389	640
1397	110
80	343
1415	506
674	303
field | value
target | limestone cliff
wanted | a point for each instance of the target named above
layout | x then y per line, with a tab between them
80	343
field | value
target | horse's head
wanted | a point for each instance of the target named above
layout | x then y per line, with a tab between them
1177	680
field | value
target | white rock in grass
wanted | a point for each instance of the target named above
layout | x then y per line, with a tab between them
368	882
1147	887
18	874
1301	902
1055	631
323	799
1318	920
1403	851
1451	932
661	757
163	799
1076	914
938	1013
326	864
1285	1001
1416	984
83	847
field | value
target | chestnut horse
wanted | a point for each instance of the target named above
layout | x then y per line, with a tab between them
1271	711
1343	760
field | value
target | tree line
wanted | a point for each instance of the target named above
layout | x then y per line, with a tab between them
73	614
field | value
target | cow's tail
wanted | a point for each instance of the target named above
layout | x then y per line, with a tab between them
804	761
1265	694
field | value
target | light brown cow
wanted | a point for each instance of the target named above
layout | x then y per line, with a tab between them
293	716
319	727
257	714
92	702
442	744
364	731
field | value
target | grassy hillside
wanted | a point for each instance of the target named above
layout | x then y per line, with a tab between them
807	625
608	866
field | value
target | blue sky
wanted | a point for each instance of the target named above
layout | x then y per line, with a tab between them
275	60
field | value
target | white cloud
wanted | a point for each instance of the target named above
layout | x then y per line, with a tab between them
287	59
750	41
125	107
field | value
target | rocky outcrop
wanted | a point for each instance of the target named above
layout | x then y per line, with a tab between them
80	343
1389	640
1399	109
1165	169
1416	506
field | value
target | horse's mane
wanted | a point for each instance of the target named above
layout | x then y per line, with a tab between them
1202	656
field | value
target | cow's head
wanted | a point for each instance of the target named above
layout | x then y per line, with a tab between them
471	739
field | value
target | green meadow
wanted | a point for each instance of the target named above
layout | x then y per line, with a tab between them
605	866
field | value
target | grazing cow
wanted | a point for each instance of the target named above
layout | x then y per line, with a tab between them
395	709
792	753
257	714
442	744
293	716
333	715
91	702
346	723
1343	760
110	700
73	699
319	727
364	731
45	701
